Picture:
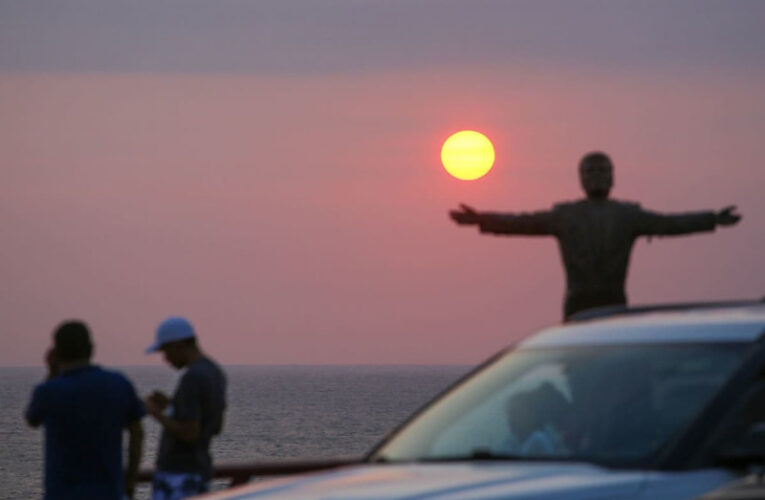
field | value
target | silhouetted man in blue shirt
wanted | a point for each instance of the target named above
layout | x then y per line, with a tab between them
85	410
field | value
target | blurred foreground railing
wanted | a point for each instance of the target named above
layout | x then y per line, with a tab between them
239	473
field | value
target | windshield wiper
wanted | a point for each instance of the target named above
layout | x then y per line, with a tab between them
484	455
479	454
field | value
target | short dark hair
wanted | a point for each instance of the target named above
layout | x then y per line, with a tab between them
594	156
72	341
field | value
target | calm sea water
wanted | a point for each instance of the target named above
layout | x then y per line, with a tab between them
275	413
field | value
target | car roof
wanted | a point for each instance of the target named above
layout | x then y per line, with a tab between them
741	322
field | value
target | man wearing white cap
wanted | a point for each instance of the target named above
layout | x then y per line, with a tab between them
190	418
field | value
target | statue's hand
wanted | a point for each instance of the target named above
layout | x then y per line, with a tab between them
727	216
466	215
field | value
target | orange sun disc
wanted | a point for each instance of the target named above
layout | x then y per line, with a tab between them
467	155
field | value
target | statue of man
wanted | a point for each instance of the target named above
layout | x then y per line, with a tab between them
595	235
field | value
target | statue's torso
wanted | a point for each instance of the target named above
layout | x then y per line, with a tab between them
595	239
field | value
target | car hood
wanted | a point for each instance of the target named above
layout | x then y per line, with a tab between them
477	481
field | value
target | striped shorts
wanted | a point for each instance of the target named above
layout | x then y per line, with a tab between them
177	485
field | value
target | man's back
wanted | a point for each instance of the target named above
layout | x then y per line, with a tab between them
84	412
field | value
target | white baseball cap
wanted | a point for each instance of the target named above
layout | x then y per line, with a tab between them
171	330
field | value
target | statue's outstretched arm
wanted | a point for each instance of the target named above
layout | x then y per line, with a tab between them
536	223
652	223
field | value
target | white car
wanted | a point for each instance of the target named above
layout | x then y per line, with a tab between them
663	403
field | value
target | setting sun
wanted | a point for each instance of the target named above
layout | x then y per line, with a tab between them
467	155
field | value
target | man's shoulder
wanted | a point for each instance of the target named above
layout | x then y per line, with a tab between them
210	363
109	373
111	377
204	368
62	386
44	388
54	387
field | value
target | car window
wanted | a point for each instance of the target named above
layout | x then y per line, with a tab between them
611	404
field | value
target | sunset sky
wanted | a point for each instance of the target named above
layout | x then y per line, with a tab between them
271	169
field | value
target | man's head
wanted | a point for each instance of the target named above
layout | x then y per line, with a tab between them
177	341
596	173
180	353
71	342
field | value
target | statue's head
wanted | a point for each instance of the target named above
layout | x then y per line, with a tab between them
596	174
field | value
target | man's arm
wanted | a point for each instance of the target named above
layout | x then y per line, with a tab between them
35	411
652	223
51	360
219	427
185	430
536	223
135	448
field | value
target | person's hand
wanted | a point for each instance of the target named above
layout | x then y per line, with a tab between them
156	403
51	361
152	408
727	216
466	215
160	398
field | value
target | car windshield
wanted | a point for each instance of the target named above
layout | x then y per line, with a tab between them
614	405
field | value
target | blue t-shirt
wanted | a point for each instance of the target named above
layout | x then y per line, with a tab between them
85	412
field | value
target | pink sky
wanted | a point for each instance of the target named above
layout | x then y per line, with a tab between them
271	169
302	219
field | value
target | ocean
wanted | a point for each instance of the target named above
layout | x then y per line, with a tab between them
274	413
